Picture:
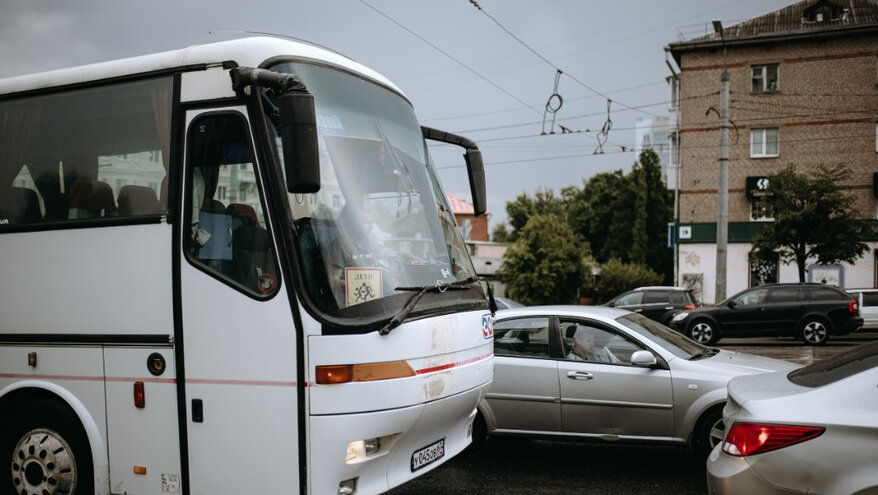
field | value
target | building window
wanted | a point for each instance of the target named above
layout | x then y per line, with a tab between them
764	78
764	142
763	269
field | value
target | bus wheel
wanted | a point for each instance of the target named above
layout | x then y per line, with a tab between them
45	452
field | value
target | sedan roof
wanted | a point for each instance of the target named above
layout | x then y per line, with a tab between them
597	312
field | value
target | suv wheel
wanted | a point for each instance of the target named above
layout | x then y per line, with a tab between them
703	332
814	332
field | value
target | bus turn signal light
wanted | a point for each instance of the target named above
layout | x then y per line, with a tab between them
139	395
344	373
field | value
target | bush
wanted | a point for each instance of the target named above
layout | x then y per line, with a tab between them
617	277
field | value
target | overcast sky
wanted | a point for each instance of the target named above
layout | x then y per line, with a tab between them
487	74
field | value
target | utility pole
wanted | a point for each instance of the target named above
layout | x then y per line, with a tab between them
722	196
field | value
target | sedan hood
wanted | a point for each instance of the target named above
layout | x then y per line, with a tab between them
737	363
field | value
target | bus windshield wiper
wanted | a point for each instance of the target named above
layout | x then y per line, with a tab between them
419	293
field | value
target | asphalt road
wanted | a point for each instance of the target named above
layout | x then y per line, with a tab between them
536	467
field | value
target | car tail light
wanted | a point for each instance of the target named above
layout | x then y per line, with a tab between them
853	307
746	439
689	306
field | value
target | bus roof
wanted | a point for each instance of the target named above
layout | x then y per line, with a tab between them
246	52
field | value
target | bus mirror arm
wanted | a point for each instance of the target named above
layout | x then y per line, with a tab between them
474	165
297	124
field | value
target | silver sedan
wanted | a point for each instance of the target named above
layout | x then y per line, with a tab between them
814	430
607	374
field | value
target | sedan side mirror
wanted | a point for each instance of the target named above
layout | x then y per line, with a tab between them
644	359
732	304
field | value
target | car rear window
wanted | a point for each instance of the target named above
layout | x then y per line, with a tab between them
784	294
870	298
827	294
838	367
655	296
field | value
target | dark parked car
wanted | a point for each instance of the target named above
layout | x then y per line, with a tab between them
811	312
656	303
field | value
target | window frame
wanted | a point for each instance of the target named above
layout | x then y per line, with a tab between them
187	210
763	77
763	131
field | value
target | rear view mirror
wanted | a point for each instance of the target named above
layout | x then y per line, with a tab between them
298	128
475	167
644	359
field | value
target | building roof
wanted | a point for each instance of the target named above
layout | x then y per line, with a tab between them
801	19
460	206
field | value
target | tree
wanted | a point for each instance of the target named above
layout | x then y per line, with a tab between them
500	233
813	219
524	207
546	264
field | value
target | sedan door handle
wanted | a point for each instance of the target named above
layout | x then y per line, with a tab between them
579	375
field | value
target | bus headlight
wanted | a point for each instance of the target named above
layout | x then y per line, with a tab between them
360	449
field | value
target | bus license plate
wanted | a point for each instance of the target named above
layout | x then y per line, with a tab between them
428	455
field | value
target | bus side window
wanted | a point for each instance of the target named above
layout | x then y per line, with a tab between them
228	235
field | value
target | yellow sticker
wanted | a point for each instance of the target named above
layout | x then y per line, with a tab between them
362	284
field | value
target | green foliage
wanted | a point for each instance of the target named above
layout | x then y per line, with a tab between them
524	207
500	233
546	264
813	218
617	277
613	216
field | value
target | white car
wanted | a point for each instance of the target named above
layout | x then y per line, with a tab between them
868	300
606	374
814	430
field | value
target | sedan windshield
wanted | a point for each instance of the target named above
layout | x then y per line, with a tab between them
676	343
380	222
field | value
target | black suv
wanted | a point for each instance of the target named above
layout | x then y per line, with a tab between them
810	312
656	303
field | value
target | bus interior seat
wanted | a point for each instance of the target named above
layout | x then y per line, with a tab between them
91	199
243	212
138	200
210	205
20	205
251	247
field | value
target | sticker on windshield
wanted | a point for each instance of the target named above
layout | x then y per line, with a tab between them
362	284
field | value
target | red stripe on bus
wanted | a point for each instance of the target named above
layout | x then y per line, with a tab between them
453	365
263	383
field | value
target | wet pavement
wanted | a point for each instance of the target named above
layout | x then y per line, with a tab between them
793	350
536	467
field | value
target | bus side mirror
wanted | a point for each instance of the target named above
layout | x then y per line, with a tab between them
298	130
475	167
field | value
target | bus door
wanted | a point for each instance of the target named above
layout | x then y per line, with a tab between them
239	343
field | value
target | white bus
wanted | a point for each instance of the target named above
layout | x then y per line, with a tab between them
230	269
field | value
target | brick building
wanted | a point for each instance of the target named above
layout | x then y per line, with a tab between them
804	91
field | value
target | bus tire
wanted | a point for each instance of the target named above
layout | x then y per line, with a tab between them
44	450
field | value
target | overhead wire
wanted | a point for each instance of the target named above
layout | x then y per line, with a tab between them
451	57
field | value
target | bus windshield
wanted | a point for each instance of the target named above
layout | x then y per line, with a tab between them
380	221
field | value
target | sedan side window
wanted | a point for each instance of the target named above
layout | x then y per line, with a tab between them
582	341
523	337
